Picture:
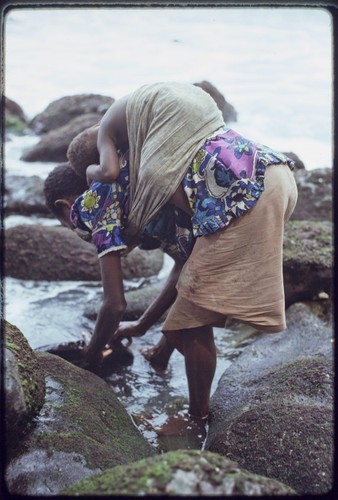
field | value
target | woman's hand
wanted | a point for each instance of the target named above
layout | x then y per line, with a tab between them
126	330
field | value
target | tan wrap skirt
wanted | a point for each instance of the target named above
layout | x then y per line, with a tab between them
237	272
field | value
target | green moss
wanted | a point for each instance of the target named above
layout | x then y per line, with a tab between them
97	425
14	124
153	476
31	375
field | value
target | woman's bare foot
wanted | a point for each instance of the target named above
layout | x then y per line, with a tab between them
159	355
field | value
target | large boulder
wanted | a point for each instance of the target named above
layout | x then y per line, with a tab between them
315	199
82	429
228	111
53	145
307	260
24	195
179	473
24	384
36	252
272	411
61	111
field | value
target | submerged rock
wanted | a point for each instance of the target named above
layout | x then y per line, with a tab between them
81	430
272	411
179	473
73	352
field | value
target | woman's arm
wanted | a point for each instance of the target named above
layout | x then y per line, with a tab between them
112	135
156	309
112	308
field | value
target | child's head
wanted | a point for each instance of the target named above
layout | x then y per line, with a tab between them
62	186
82	151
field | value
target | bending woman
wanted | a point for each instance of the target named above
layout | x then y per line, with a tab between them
224	200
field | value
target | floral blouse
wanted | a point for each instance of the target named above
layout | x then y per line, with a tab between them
224	180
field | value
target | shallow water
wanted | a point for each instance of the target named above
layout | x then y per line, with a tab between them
52	312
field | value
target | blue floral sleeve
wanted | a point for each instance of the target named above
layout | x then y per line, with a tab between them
102	211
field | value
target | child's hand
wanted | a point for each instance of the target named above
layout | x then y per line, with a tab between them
90	361
91	173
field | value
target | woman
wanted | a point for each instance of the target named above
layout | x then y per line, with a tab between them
225	201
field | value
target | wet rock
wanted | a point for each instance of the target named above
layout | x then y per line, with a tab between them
54	144
179	473
272	411
61	111
24	384
82	429
228	111
24	195
114	358
38	252
307	260
16	121
315	199
142	263
49	253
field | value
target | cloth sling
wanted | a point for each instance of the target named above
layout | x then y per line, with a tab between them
167	123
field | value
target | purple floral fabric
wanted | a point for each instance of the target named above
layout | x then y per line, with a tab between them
225	179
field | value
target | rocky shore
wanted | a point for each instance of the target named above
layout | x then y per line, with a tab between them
271	418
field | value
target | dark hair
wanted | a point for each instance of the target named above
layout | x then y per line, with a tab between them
62	182
82	151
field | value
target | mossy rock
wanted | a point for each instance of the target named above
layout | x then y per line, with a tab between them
272	410
31	380
15	125
309	242
179	473
81	430
307	260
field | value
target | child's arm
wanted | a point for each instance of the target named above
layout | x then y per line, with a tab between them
111	311
112	135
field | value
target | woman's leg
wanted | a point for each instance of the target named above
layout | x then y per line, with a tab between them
198	348
200	364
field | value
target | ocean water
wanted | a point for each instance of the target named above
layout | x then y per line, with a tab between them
274	65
